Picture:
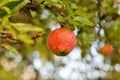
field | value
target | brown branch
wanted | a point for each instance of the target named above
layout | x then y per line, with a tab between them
35	36
5	34
37	75
99	16
8	36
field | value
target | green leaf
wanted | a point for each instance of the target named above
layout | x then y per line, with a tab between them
33	13
69	9
80	13
11	49
6	9
53	0
57	3
70	21
4	2
73	5
12	5
26	39
20	5
83	21
21	27
57	17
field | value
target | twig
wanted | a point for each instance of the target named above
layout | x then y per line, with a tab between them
8	36
37	35
37	75
99	16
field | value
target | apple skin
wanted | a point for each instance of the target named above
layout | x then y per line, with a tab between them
61	41
106	49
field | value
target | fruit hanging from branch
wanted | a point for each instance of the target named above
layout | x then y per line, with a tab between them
106	49
61	41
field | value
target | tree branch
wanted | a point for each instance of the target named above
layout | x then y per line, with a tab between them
99	16
8	36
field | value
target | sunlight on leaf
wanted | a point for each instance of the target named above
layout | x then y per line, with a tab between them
56	3
83	21
11	49
6	9
26	27
25	39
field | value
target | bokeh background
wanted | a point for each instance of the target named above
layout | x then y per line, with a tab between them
26	24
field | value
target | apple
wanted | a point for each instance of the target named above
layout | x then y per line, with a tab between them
61	41
106	49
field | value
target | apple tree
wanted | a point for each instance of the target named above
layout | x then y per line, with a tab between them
26	24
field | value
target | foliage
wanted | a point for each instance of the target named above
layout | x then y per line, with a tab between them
24	29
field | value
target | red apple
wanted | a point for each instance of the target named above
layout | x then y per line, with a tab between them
61	41
106	49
